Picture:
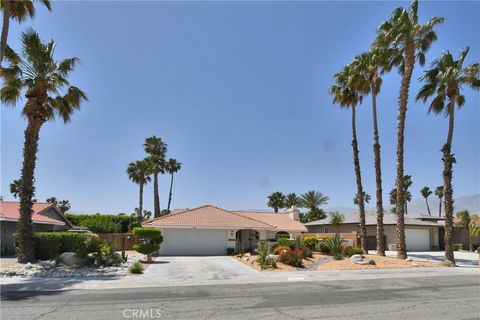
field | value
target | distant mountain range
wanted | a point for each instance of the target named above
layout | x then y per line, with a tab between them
470	203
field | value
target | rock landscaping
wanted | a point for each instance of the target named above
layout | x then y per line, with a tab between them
50	269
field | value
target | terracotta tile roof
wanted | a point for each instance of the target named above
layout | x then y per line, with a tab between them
371	220
213	217
9	211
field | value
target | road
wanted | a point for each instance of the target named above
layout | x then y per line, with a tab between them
452	297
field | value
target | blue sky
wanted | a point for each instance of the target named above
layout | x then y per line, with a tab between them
239	93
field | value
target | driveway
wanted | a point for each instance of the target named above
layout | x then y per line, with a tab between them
462	258
197	268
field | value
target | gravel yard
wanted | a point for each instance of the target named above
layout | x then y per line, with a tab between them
380	263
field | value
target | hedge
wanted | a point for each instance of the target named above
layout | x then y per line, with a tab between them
151	233
102	223
49	245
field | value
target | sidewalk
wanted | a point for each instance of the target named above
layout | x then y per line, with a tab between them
145	280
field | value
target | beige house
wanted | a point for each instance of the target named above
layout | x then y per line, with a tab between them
421	235
210	230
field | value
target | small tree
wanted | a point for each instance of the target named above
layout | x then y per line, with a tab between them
152	239
336	219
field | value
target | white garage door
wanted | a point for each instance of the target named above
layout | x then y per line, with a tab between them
194	242
417	239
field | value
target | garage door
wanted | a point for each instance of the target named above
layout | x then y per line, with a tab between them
194	242
417	239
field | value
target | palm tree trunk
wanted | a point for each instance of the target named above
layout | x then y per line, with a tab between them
170	193
448	160
5	26
156	199
440	208
26	246
428	207
378	177
402	112
140	200
358	175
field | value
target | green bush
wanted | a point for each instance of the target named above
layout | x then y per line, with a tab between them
106	256
49	245
338	256
136	267
102	223
354	250
264	252
333	245
291	257
146	249
456	246
152	237
311	243
372	262
150	233
286	242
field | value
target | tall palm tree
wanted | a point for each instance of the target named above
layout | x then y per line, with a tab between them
172	166
439	194
407	183
276	201
313	199
18	10
426	192
292	200
16	188
157	149
139	172
366	79
348	97
44	82
405	41
445	81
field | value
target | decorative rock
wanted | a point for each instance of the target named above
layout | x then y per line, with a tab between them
247	254
356	258
408	259
361	262
414	265
71	259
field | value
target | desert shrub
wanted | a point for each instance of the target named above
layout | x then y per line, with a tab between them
286	242
49	245
152	238
372	262
265	258
136	267
352	251
291	257
338	256
279	249
311	243
106	256
333	245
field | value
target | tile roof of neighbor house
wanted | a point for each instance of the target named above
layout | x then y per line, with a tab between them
213	217
9	211
371	220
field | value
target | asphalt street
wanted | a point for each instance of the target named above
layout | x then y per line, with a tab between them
437	297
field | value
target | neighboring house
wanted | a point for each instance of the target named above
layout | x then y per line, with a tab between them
45	217
420	234
209	230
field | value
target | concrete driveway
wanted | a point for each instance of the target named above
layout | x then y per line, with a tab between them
462	258
197	268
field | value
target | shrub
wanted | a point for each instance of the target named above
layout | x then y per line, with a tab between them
354	250
264	254
102	223
49	245
311	243
136	267
456	246
291	257
152	237
372	262
338	256
286	242
279	249
333	245
106	256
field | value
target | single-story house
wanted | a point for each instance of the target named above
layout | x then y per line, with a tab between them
420	235
210	230
45	217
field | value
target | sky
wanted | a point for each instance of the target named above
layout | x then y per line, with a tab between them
239	92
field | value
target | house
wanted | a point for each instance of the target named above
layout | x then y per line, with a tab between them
45	217
420	235
210	230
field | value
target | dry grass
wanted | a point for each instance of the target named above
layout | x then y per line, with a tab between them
380	263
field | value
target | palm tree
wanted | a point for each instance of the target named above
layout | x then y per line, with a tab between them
439	193
366	198
172	166
16	188
17	10
336	219
407	183
405	41
366	79
445	81
426	192
44	82
157	149
276	201
139	172
292	200
313	199
345	95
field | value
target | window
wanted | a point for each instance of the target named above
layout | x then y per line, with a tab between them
325	230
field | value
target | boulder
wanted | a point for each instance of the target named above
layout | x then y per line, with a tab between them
71	259
408	259
356	258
